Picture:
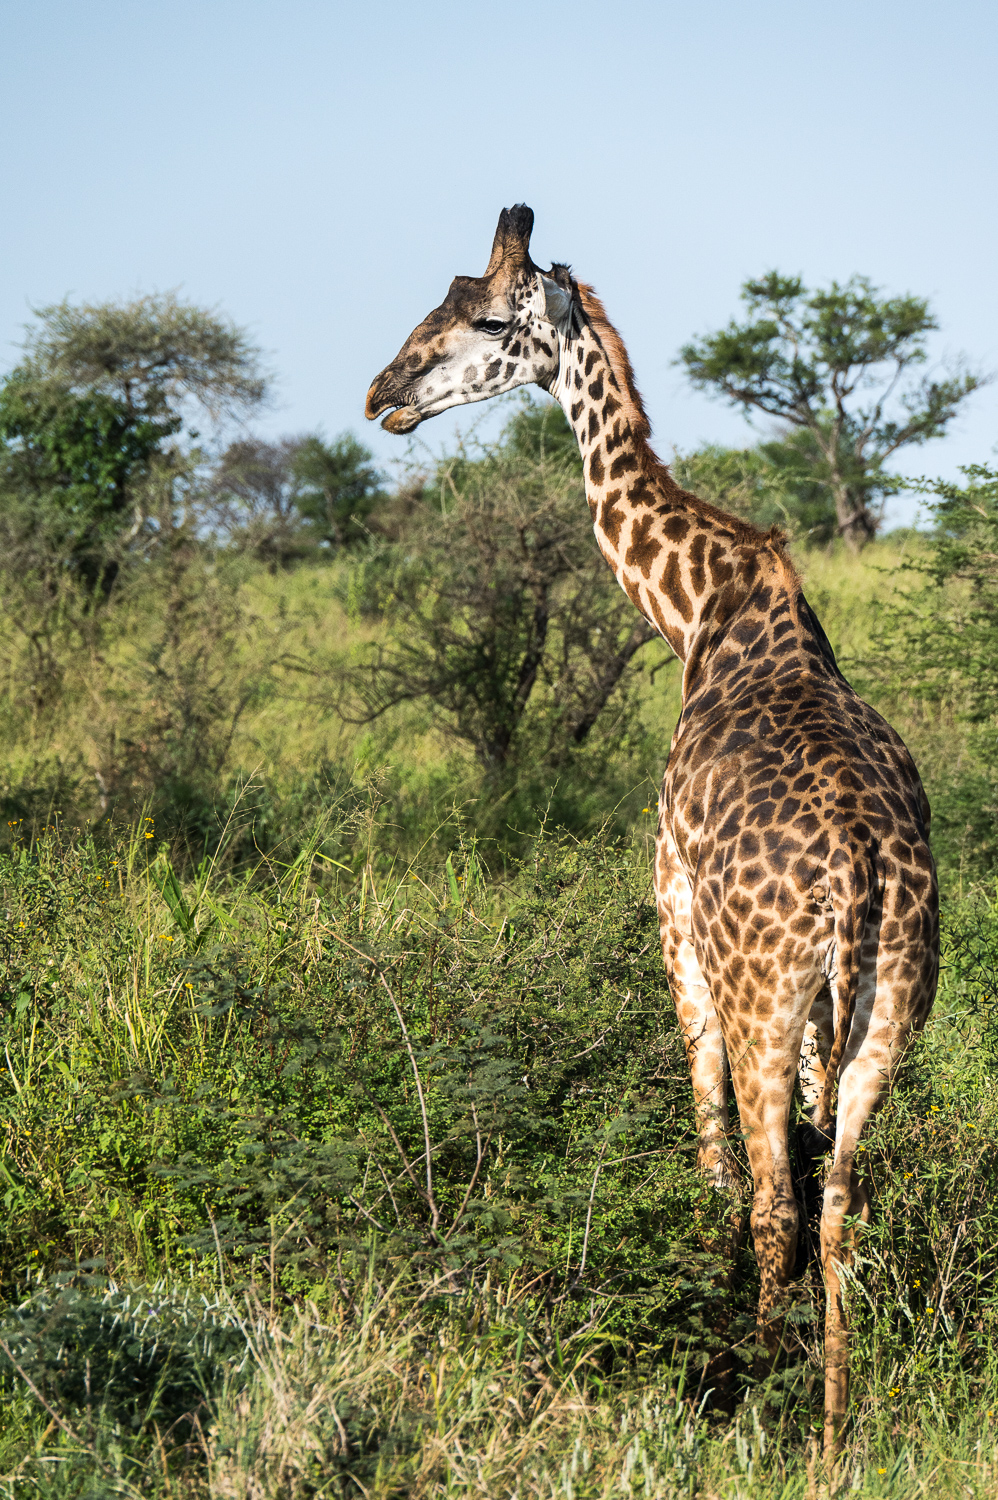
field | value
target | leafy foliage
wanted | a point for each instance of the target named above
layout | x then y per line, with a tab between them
806	358
938	644
954	637
337	489
296	498
69	468
540	430
502	617
253	501
88	447
742	481
90	422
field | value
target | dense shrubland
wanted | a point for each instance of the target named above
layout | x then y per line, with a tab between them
346	1135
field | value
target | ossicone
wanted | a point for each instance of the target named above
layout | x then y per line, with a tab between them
511	246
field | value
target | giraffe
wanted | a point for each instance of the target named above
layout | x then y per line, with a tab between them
795	887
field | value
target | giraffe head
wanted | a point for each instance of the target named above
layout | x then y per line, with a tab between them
490	334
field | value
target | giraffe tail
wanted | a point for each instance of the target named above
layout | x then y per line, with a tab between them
850	903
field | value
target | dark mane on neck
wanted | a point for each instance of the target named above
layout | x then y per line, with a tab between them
652	466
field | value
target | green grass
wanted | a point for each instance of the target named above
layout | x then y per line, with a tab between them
228	1271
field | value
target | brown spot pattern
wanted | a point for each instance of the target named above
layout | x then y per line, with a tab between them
611	519
644	547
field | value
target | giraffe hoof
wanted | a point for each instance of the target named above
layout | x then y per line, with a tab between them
403	420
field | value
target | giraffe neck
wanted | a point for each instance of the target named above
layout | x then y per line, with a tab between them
687	566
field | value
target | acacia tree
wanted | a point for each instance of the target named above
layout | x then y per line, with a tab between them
93	419
503	620
835	367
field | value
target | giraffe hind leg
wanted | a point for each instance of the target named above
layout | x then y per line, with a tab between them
844	1199
812	1141
764	1053
894	992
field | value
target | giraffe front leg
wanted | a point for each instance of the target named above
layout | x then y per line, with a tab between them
698	1021
708	1064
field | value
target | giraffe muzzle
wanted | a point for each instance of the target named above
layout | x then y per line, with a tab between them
386	392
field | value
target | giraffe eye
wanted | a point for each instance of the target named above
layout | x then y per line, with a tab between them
491	325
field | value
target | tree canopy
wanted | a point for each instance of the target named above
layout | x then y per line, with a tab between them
154	354
99	402
838	366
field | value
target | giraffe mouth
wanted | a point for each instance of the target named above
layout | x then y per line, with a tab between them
402	419
388	392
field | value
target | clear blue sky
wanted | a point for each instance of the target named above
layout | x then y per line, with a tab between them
320	171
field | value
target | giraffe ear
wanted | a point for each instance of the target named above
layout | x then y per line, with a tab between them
510	248
557	303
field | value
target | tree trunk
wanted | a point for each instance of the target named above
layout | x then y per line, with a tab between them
857	524
607	678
